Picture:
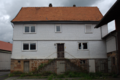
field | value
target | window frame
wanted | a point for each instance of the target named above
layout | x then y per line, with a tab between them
29	29
86	28
82	46
56	29
29	42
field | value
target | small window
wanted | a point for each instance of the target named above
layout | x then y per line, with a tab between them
26	29
113	60
83	46
18	61
80	46
25	46
32	28
58	29
82	61
88	29
29	29
32	46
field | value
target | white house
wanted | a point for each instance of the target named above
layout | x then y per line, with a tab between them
43	33
5	56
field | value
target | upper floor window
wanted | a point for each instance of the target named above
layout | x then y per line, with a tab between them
83	45
88	29
57	28
29	29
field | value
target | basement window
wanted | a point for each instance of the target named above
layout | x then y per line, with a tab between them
18	61
83	45
82	61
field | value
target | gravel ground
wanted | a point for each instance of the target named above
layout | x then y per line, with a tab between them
4	75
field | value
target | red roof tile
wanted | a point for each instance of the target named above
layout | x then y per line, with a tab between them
58	14
5	46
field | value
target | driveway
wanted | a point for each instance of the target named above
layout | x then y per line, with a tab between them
4	75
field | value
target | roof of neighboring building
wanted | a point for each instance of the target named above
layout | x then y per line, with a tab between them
5	46
112	14
58	14
112	32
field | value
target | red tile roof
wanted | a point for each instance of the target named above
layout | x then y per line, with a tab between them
5	46
58	14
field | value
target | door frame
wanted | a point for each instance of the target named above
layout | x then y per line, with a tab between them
63	47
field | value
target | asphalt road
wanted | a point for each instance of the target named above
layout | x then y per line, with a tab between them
3	75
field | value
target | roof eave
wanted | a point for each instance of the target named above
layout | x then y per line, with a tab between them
110	15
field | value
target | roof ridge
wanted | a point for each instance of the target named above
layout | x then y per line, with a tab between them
6	42
64	7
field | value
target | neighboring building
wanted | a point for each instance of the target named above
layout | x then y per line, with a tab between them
43	33
111	47
5	55
113	14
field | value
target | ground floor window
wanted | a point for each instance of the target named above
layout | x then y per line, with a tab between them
83	45
29	46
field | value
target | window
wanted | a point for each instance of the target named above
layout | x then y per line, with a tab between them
32	46
26	29
88	29
113	60
82	61
32	28
25	46
29	46
58	28
29	29
83	45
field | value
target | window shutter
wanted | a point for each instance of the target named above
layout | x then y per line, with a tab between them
88	29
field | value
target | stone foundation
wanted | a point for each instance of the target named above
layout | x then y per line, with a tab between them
70	65
18	65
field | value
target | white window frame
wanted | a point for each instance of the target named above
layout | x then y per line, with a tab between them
29	42
91	29
56	28
29	29
82	46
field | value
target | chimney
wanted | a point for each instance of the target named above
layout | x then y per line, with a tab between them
50	5
74	5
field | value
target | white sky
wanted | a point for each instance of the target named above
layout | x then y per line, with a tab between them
10	8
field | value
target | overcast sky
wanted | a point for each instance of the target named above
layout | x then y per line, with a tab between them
10	8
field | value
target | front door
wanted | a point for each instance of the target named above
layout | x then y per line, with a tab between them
26	66
60	50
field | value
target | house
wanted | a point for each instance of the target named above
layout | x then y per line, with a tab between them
44	33
5	55
113	14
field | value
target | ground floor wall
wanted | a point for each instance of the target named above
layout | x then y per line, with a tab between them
89	65
5	60
48	49
112	62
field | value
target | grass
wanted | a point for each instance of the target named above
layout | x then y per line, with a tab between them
51	76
